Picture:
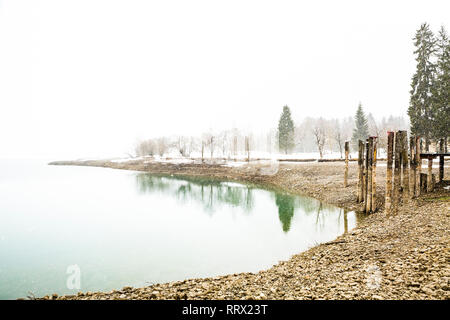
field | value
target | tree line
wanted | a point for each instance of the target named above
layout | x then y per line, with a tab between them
321	135
318	135
429	109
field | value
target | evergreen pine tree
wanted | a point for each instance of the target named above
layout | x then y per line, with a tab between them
286	131
441	88
361	130
420	105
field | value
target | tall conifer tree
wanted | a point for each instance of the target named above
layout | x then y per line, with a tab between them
361	130
286	131
420	105
441	89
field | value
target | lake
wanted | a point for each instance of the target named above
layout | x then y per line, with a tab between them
119	228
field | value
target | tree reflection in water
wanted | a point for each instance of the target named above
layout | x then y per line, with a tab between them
285	204
211	193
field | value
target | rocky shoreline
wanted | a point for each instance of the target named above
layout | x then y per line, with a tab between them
404	256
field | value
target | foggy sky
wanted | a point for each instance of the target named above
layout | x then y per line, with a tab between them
88	78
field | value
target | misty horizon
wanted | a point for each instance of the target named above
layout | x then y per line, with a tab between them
91	78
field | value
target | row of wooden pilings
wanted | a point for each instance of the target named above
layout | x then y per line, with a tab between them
404	179
408	179
367	172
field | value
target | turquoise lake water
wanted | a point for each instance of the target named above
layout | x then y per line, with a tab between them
122	228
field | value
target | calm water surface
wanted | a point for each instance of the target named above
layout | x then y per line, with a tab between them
124	228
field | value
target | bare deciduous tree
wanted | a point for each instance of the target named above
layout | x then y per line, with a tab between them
338	135
182	146
161	146
319	133
208	141
145	148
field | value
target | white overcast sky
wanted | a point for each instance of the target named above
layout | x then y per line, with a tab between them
87	78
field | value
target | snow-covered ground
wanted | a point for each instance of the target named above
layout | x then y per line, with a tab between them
232	161
235	163
241	158
297	155
178	160
120	160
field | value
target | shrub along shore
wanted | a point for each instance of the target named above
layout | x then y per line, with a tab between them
402	256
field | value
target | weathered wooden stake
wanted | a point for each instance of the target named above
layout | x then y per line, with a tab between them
373	205
423	182
345	221
203	150
247	148
430	175
418	165
412	165
366	174
211	146
347	150
235	147
405	171
360	171
441	161
390	154
368	202
397	169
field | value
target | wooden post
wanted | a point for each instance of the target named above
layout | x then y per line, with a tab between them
369	175
433	181
366	171
430	175
390	154
418	166
235	147
441	161
247	148
397	169
345	221
405	171
413	167
347	149
373	205
360	171
203	150
211	146
423	182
